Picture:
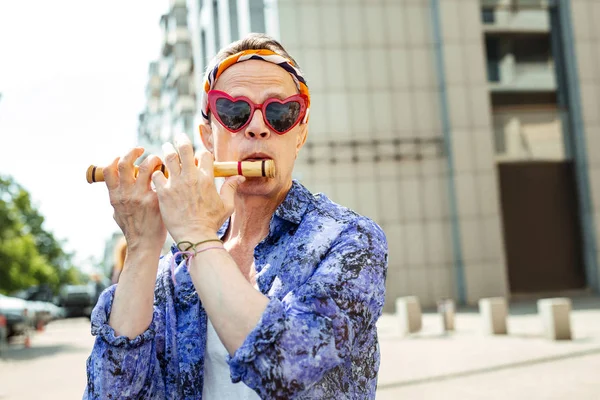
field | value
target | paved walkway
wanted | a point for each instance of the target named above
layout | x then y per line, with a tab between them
54	366
468	365
464	365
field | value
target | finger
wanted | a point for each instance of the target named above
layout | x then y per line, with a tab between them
147	167
159	180
171	159
111	176
206	164
228	190
125	166
186	152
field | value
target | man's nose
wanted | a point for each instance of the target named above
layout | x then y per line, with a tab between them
257	128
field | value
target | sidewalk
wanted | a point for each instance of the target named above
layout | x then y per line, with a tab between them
54	366
468	365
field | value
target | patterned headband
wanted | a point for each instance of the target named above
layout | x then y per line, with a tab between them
264	55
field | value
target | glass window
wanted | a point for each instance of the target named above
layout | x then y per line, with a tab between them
493	59
182	50
216	22
532	50
531	99
180	14
488	15
183	85
257	16
203	48
233	20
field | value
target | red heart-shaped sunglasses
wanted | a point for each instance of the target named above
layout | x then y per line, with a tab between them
235	113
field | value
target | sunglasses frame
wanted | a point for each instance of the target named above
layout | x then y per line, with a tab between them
214	95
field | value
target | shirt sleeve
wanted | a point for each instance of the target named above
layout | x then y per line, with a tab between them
313	328
124	368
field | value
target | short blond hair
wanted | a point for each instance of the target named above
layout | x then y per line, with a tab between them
253	41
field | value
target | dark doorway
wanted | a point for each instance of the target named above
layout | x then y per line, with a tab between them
541	226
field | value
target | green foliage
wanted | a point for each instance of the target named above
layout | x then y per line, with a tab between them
29	255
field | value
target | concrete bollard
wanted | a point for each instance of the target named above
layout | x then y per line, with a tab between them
447	310
556	318
493	313
408	311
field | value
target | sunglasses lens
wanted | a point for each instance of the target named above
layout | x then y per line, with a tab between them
233	114
283	116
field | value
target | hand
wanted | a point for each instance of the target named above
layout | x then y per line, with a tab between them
190	205
135	203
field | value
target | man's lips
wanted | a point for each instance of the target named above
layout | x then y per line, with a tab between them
257	157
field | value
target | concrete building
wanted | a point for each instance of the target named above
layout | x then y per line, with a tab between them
468	129
170	96
108	260
170	92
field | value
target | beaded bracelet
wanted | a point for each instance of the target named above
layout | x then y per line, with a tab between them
188	254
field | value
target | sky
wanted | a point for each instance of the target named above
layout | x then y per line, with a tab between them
72	78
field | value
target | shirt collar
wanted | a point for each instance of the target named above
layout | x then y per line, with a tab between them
295	204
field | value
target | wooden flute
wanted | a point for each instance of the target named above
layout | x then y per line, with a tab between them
263	168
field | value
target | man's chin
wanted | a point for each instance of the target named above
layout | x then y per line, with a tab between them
257	186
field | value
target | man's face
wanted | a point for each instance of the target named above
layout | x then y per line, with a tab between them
259	81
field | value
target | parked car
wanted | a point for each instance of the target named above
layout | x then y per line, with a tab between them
40	312
3	333
41	305
55	311
77	300
16	311
41	292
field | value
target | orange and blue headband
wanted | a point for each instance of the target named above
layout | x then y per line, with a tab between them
264	55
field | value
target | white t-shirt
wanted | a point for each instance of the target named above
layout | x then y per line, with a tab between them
217	381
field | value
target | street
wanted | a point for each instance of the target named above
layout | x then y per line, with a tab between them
463	365
52	368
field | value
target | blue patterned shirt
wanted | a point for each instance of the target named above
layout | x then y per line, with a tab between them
323	268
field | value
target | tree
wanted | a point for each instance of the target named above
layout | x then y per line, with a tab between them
29	255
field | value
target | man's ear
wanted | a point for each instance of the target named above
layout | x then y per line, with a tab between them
207	136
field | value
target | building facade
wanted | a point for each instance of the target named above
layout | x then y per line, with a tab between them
170	92
468	129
